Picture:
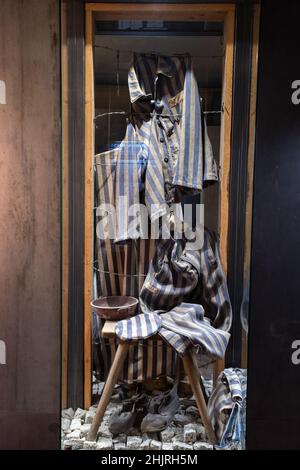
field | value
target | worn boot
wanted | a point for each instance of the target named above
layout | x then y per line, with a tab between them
130	416
162	409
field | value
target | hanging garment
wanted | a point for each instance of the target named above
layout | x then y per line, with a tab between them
173	275
212	291
227	409
166	151
120	269
180	323
179	144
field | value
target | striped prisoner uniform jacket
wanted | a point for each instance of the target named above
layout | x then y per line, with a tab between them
166	151
184	299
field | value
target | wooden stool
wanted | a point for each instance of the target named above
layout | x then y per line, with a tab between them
191	370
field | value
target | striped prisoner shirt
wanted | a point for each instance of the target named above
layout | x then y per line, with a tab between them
121	269
166	151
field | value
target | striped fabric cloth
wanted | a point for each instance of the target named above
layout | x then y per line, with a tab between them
139	327
166	150
173	275
185	326
182	327
146	359
227	408
176	277
121	269
212	291
167	87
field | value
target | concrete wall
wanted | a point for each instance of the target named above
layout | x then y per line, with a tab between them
30	224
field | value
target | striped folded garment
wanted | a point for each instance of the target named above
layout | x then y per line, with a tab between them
227	409
182	327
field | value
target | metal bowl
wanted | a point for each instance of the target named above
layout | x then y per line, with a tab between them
115	307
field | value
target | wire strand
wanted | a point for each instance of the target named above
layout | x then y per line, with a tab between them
131	51
119	274
124	113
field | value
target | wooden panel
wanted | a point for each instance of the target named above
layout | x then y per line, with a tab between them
251	148
76	209
225	150
159	11
89	154
109	329
65	202
225	140
238	174
30	225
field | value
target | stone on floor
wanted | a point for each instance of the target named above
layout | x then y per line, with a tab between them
155	445
186	432
69	413
133	442
189	433
80	413
202	446
104	443
90	416
75	424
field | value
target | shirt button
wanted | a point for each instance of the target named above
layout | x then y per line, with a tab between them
162	139
166	159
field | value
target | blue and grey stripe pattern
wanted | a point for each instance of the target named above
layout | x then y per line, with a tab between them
182	327
146	359
173	275
121	270
176	278
166	150
138	327
178	342
179	275
166	146
212	291
179	146
227	408
187	322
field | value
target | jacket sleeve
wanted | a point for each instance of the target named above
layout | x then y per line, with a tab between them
196	165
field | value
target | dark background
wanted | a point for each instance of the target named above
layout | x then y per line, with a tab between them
274	382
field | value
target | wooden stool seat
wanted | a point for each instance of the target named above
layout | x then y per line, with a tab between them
190	367
109	329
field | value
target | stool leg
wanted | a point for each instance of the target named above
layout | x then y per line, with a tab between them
219	366
112	378
192	373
